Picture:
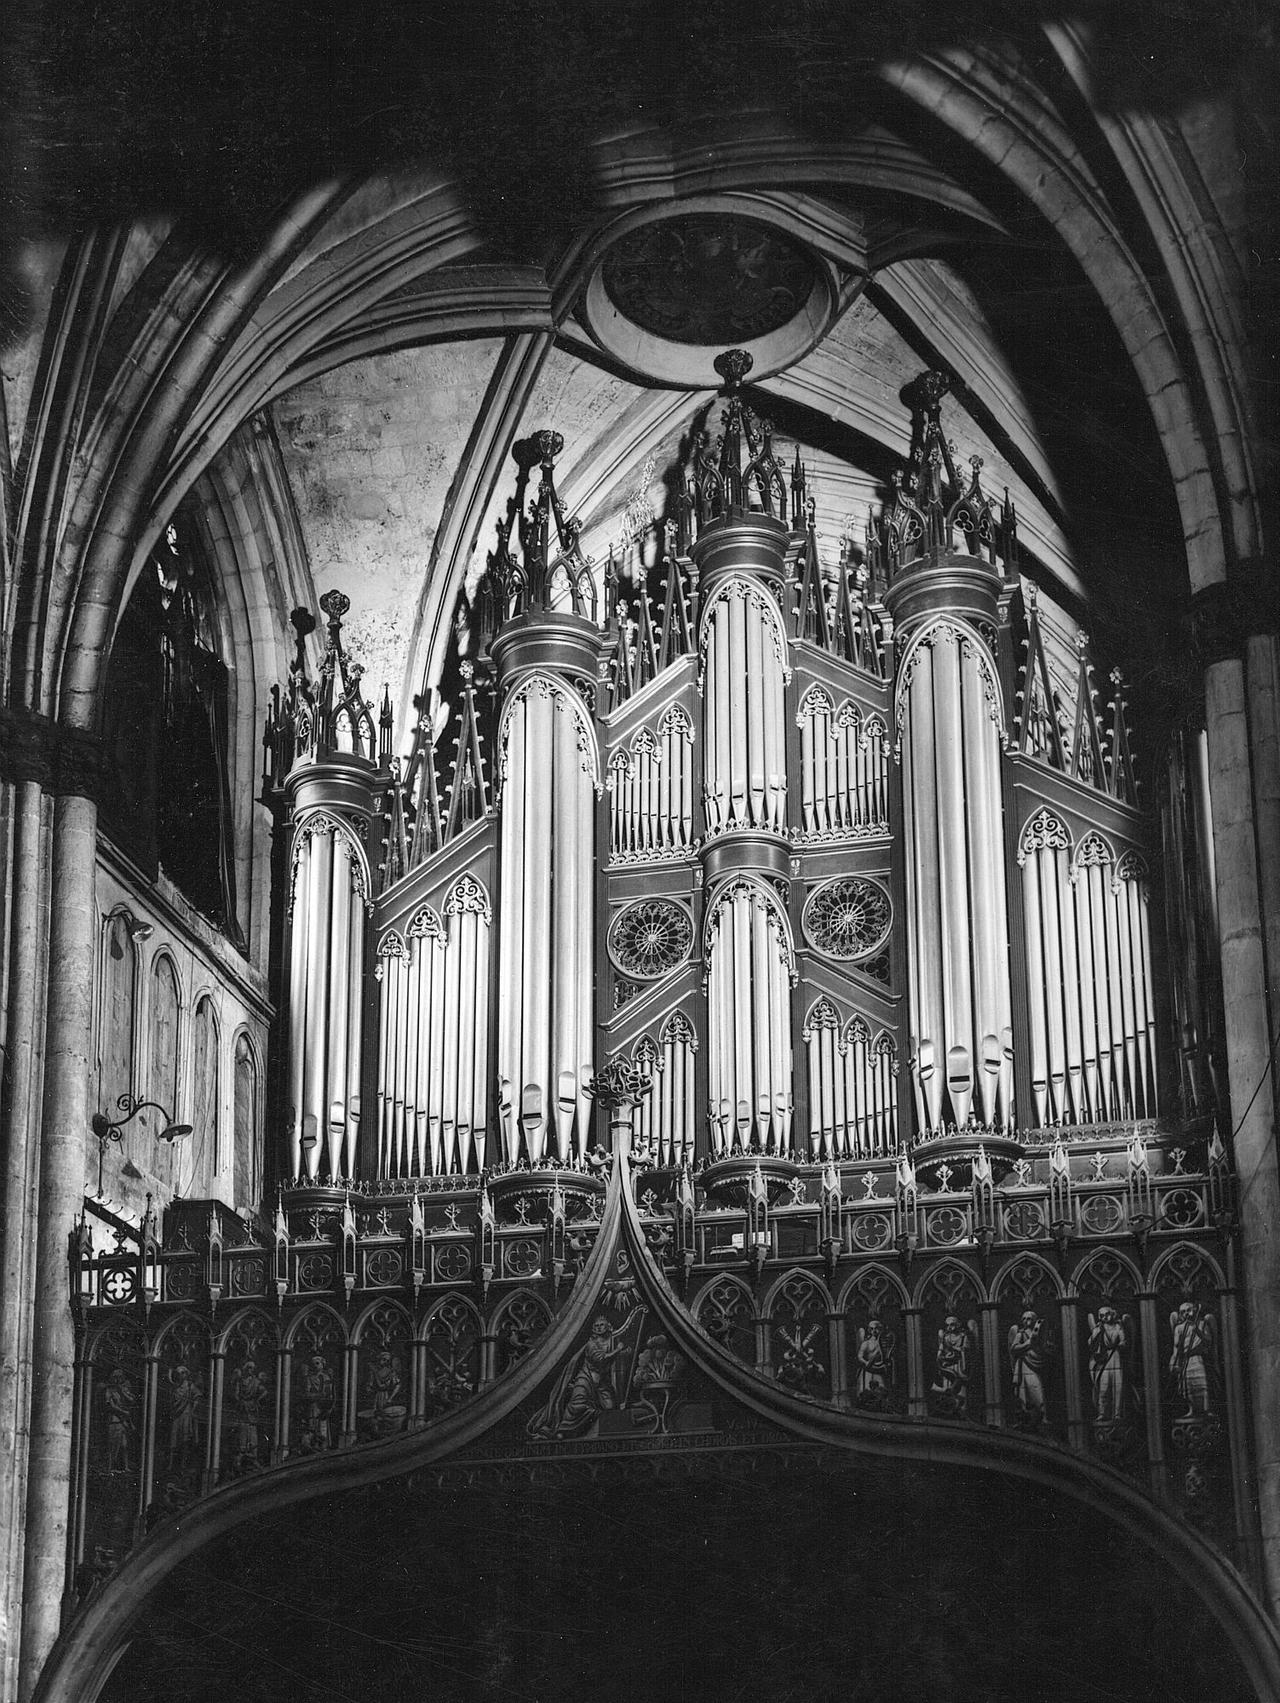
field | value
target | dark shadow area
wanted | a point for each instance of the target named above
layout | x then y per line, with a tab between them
219	111
781	1577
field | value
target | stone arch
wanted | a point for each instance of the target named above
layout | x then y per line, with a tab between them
1195	1255
237	1322
315	1310
775	1288
519	1322
1027	144
1006	1278
928	1282
1084	1267
875	1268
380	1304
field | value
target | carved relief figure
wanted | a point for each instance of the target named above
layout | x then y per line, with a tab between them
1194	1358
120	1399
589	1385
873	1381
248	1393
1027	1348
184	1415
317	1405
951	1367
1110	1347
386	1410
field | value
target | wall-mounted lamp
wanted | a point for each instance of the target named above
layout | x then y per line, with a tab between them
108	1130
140	931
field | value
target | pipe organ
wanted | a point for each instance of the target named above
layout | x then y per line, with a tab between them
824	855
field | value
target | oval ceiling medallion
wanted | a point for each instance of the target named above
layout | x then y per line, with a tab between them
674	290
710	278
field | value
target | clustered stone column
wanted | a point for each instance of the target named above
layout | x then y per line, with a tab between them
49	796
1244	782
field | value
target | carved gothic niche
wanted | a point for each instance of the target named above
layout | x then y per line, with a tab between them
1195	1396
1109	1332
876	1343
674	288
1033	1385
116	1435
182	1420
247	1429
799	1348
950	1331
384	1372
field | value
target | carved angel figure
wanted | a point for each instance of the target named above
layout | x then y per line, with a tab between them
120	1400
1027	1347
249	1391
184	1416
873	1383
1194	1358
951	1364
1110	1351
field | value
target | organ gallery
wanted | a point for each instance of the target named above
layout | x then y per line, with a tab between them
638	849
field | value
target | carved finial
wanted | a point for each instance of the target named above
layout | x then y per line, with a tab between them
335	605
925	393
618	1083
549	445
733	366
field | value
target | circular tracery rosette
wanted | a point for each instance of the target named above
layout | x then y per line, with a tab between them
848	918
651	937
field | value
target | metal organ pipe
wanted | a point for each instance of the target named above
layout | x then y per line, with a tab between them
315	1095
749	1000
536	795
298	998
744	763
581	920
339	992
960	1000
1070	983
989	903
326	969
1086	986
957	1003
545	987
433	1047
924	901
511	904
1102	985
775	762
1088	958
